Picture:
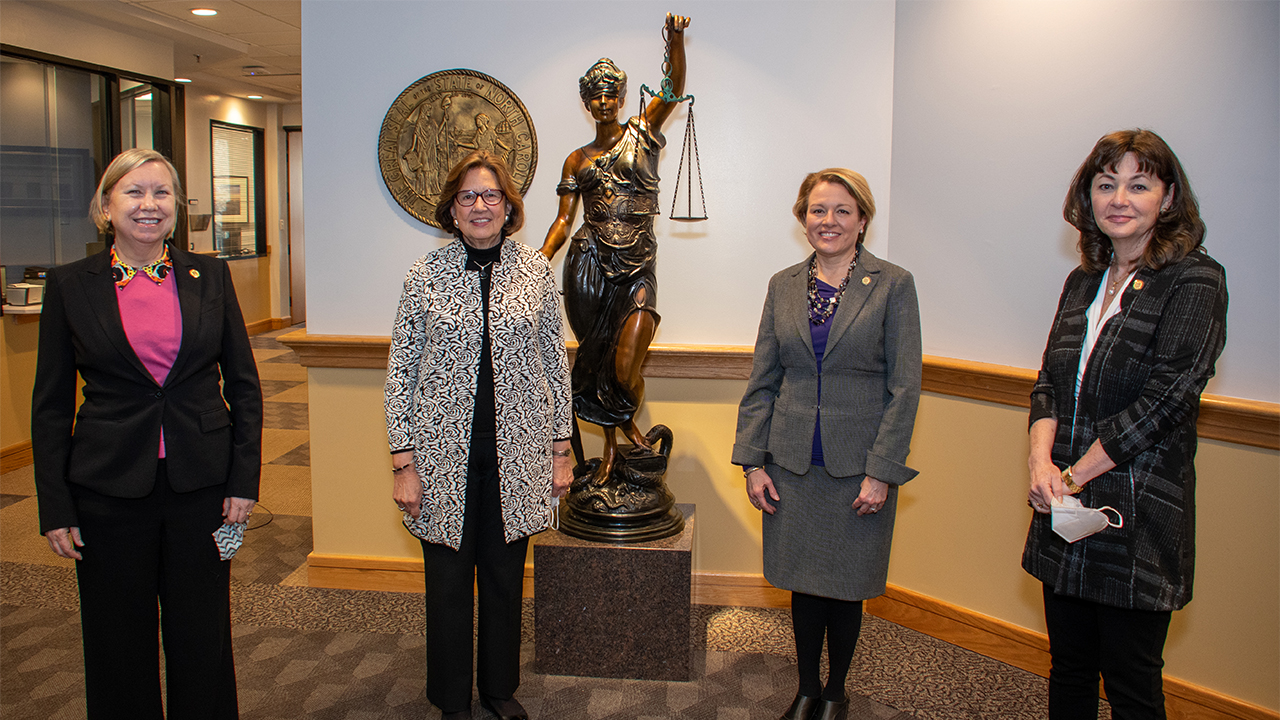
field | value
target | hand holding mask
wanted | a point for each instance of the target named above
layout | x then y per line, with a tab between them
1073	521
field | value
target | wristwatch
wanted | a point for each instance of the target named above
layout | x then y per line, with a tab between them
1070	482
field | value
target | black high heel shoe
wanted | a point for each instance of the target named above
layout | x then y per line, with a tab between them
831	710
509	709
801	708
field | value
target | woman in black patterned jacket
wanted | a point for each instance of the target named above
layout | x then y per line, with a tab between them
478	419
1113	421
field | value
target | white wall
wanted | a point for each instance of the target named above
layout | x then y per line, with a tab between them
40	27
764	118
985	109
996	103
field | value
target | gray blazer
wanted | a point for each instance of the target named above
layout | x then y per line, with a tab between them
870	378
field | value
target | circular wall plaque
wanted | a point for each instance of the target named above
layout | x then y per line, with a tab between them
438	120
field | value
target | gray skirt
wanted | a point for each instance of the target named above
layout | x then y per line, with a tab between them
817	544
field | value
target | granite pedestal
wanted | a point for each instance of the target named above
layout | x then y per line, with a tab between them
620	611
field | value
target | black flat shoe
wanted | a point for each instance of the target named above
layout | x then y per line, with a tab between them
831	710
801	708
509	709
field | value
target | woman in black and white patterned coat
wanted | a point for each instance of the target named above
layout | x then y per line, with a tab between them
478	419
1139	327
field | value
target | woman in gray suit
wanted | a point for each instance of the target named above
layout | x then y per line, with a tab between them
825	427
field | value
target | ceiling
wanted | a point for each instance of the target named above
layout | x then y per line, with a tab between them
214	51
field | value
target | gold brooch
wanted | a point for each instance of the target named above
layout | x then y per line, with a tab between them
1137	284
866	280
195	273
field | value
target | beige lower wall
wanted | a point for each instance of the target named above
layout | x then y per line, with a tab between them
19	336
252	278
961	523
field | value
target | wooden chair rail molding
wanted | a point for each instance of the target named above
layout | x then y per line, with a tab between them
974	631
1236	420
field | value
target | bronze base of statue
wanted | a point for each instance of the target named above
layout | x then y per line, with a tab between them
632	505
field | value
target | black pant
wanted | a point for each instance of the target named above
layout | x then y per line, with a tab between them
496	567
1125	646
135	552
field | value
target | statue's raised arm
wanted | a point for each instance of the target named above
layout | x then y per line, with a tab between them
610	284
659	110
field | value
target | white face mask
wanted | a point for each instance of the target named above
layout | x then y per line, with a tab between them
1073	521
555	513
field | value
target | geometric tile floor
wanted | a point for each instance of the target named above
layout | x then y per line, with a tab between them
305	652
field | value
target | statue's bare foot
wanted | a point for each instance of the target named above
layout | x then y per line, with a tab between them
605	468
635	436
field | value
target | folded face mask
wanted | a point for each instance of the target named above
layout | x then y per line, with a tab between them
229	538
1073	521
555	513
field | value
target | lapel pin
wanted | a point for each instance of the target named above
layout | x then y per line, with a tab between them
1137	284
866	280
195	273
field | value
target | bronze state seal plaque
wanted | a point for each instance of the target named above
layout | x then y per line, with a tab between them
438	120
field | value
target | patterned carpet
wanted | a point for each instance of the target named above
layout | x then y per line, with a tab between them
324	654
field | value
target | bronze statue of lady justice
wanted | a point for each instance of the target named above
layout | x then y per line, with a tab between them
610	291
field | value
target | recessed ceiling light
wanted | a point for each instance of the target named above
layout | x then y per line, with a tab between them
182	80
204	12
254	97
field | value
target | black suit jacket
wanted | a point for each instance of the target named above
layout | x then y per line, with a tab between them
210	404
1140	398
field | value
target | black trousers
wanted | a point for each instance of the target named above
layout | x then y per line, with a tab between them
496	568
137	552
1125	646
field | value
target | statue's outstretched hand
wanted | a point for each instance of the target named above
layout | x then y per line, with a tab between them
677	23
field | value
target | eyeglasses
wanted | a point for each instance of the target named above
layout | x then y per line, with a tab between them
467	198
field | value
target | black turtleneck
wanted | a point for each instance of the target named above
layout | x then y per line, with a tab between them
484	421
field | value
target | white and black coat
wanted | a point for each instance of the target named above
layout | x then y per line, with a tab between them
432	374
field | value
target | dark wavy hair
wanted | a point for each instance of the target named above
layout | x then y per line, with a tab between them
453	183
1178	231
845	178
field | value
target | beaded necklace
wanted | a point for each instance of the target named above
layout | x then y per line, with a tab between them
820	309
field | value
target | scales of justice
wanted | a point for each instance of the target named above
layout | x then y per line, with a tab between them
610	289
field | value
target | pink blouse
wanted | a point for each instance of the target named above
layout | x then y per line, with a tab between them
152	321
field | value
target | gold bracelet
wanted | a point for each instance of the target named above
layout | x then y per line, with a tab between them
748	469
1069	481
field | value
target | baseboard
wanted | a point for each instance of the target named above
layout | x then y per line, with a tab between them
953	624
359	572
17	455
1029	650
261	326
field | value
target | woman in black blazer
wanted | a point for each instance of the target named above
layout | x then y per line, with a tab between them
825	427
164	451
1113	422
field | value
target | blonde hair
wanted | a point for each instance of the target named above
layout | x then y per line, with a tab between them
846	178
123	164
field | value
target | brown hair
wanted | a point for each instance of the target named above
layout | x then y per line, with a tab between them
846	178
123	164
453	183
1178	230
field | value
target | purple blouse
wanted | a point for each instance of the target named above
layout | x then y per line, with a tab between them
819	334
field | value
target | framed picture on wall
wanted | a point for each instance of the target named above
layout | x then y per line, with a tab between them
231	198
